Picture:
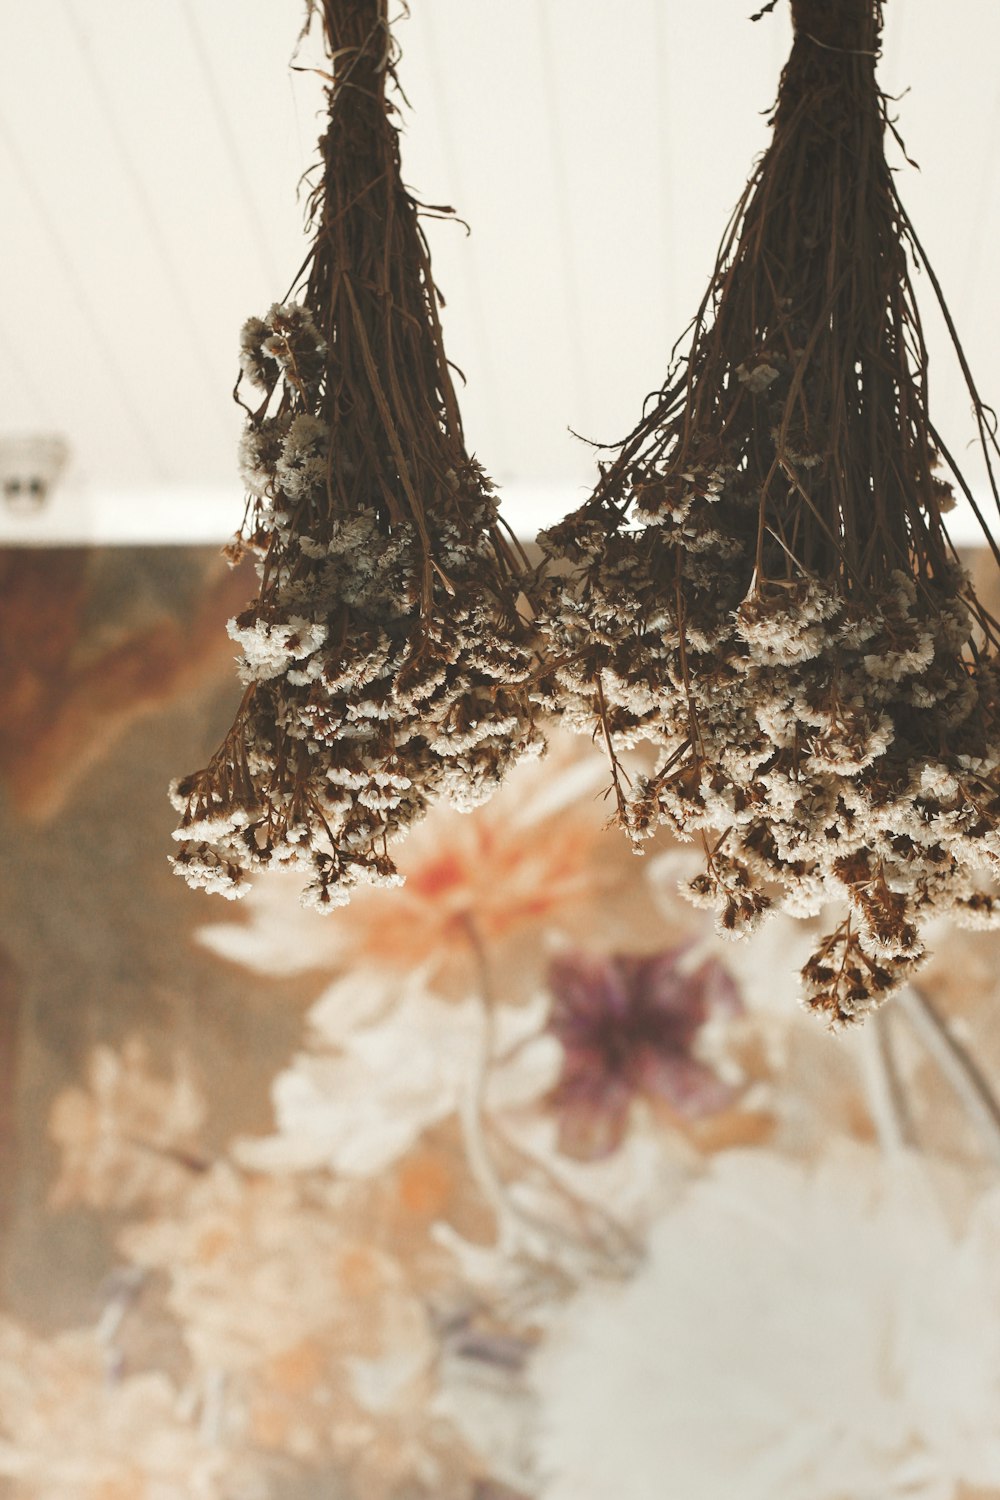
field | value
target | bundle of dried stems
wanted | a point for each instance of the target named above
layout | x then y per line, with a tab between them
762	585
385	659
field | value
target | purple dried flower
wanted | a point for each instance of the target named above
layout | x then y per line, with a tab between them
627	1025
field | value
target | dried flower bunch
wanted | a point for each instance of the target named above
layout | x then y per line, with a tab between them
385	659
762	585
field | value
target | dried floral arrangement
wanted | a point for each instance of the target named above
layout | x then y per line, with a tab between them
385	659
762	586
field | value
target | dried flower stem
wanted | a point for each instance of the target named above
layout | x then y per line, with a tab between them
614	1249
473	1107
886	1102
519	1231
959	1069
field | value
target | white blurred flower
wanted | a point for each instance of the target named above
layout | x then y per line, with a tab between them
131	1136
69	1432
251	1264
795	1334
380	1073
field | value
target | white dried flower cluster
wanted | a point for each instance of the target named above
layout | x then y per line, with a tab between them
362	703
284	344
825	744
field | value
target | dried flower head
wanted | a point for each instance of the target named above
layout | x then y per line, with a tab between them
385	660
762	585
627	1025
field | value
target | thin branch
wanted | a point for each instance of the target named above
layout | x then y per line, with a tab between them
966	1080
519	1231
886	1104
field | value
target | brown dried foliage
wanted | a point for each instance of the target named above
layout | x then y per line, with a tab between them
387	661
387	392
790	626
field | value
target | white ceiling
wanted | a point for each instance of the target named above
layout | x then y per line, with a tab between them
149	156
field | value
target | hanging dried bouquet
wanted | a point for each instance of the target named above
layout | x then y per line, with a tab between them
762	585
385	659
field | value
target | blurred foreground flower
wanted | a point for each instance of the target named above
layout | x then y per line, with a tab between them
316	1343
131	1136
69	1432
627	1026
369	1085
795	1334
